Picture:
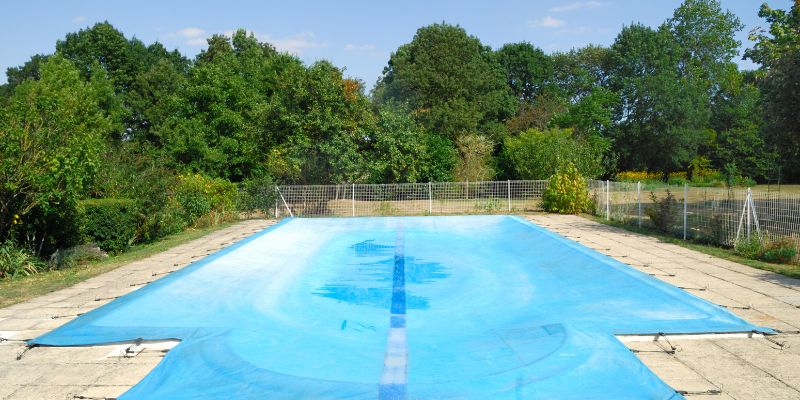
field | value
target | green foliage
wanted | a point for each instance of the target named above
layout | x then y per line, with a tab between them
781	251
663	213
777	50
749	247
110	223
402	151
452	83
257	195
536	154
527	69
51	137
475	156
566	192
199	195
16	261
662	114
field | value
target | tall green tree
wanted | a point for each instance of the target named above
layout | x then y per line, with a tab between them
705	35
402	151
777	50
662	116
528	69
451	82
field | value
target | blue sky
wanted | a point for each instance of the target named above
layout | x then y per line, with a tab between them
358	35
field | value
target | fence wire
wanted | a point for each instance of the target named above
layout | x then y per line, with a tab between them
709	214
715	215
433	198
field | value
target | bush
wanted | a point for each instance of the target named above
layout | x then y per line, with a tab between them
76	255
782	251
748	247
110	223
566	192
16	261
199	195
664	212
256	195
538	154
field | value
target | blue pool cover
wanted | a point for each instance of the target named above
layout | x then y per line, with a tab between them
478	307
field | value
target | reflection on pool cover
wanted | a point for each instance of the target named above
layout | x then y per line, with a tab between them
472	307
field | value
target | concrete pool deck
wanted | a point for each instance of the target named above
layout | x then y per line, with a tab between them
728	368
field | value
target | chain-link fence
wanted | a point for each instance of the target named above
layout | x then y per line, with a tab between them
717	215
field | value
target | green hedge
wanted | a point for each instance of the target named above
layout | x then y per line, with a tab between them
109	223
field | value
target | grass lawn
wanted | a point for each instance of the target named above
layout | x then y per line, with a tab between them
25	288
795	189
790	270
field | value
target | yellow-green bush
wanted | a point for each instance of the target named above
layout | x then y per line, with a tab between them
566	192
201	196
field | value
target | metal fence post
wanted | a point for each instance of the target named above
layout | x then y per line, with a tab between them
354	199
276	202
639	201
430	199
608	209
748	200
685	201
509	195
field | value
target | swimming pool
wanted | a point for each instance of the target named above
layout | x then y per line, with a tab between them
471	307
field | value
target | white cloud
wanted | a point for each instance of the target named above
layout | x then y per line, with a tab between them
190	36
548	22
578	5
79	19
359	47
190	32
294	44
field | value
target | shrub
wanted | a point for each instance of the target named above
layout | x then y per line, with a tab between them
256	195
16	261
664	212
566	192
199	195
748	247
782	251
76	255
536	154
110	223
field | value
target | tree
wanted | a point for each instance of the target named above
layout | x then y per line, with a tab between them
662	115
527	69
475	153
778	53
738	125
706	37
451	82
402	151
538	154
51	137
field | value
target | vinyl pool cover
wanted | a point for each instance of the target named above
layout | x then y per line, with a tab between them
478	307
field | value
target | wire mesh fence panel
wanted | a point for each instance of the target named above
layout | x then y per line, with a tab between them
711	214
410	198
